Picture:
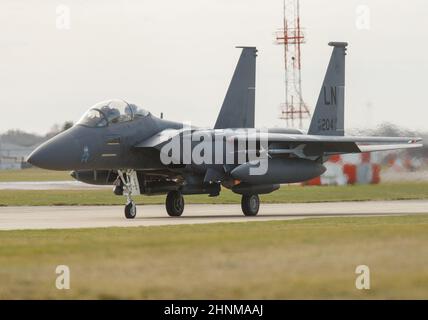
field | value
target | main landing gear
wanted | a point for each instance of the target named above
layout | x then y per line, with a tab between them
128	185
174	204
250	205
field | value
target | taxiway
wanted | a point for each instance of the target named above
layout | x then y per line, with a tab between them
67	217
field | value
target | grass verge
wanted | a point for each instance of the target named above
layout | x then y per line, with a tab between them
33	174
314	258
287	194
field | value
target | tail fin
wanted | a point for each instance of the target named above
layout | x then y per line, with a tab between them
328	118
238	106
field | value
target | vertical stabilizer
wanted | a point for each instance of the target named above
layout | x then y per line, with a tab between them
238	109
328	118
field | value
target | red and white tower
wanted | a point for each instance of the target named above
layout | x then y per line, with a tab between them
291	36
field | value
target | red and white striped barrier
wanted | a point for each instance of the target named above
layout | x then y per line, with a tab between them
363	168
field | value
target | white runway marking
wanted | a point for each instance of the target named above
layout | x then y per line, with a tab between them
49	185
15	218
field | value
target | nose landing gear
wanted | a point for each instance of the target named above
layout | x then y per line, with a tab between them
130	186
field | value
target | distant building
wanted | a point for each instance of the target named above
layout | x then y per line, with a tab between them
13	156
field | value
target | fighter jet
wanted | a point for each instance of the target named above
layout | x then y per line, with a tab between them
120	144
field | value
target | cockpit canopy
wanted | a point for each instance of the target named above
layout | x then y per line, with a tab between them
110	112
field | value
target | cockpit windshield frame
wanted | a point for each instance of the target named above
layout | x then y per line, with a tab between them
93	118
110	112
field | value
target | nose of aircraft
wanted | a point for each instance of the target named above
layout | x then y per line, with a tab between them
59	153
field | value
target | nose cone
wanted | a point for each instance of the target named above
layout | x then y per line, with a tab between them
59	153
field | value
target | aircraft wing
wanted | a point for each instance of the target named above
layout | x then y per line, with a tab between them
301	144
312	145
388	147
281	137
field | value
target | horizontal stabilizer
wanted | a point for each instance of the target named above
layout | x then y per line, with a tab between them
302	138
389	147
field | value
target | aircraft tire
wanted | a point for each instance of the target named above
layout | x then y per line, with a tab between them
250	205
130	210
174	204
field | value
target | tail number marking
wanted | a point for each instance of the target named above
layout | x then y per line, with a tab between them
330	96
327	124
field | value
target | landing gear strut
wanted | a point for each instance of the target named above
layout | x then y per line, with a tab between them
128	187
174	203
250	204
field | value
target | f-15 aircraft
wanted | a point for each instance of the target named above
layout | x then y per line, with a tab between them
120	144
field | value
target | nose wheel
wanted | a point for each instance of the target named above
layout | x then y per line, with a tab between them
174	203
130	210
129	186
250	205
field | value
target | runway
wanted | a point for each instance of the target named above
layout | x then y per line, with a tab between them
17	218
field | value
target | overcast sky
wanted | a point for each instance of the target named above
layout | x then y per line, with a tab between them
178	57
